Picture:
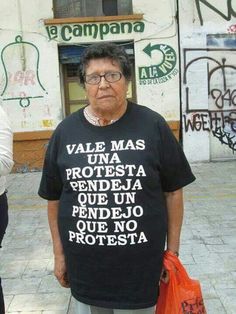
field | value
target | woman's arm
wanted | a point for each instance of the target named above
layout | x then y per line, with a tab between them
6	139
175	209
59	258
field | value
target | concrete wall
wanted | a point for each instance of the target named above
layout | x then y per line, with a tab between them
29	71
208	48
161	90
31	89
30	79
29	68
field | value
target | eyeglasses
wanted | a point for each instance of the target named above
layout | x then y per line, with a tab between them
110	77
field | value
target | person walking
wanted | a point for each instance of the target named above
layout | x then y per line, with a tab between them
6	163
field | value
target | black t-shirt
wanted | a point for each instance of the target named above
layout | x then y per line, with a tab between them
112	212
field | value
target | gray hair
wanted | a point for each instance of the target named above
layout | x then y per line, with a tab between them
105	50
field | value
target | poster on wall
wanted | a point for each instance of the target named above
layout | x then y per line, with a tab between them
160	66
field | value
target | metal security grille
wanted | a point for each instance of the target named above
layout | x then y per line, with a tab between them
110	7
79	8
68	8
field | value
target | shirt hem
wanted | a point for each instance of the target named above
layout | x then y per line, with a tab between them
114	305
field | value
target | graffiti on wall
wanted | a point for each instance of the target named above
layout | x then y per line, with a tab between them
232	29
225	11
210	93
21	77
160	69
20	84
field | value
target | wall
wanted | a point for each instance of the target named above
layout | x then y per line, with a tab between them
157	69
30	83
29	77
155	44
30	88
208	47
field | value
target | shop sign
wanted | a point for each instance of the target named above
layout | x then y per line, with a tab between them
162	71
69	32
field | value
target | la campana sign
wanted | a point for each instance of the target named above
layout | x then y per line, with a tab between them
68	32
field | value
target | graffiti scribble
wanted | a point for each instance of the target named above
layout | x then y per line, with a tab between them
225	138
226	16
219	115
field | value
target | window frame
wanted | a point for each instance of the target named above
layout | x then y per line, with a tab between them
94	19
66	80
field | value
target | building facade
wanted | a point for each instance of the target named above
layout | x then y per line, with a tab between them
208	78
183	67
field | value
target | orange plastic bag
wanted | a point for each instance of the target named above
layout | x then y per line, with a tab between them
181	295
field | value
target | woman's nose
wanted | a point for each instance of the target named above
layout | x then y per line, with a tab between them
103	83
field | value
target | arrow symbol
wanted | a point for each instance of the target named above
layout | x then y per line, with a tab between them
149	48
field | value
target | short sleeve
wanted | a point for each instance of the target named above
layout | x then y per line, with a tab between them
175	169
51	184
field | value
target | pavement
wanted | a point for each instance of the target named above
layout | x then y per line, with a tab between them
208	248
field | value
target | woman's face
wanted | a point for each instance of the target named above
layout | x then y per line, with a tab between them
106	97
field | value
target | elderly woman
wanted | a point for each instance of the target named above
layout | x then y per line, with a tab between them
6	163
113	177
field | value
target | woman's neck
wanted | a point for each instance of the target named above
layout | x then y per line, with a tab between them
104	118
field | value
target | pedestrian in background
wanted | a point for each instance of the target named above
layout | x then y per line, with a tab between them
6	163
113	177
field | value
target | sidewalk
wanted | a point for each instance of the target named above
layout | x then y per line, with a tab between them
208	243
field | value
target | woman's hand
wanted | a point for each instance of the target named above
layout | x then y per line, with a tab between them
59	257
60	270
165	275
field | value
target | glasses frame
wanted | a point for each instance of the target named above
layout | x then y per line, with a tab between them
105	77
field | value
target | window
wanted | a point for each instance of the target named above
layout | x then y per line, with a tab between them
80	8
75	97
